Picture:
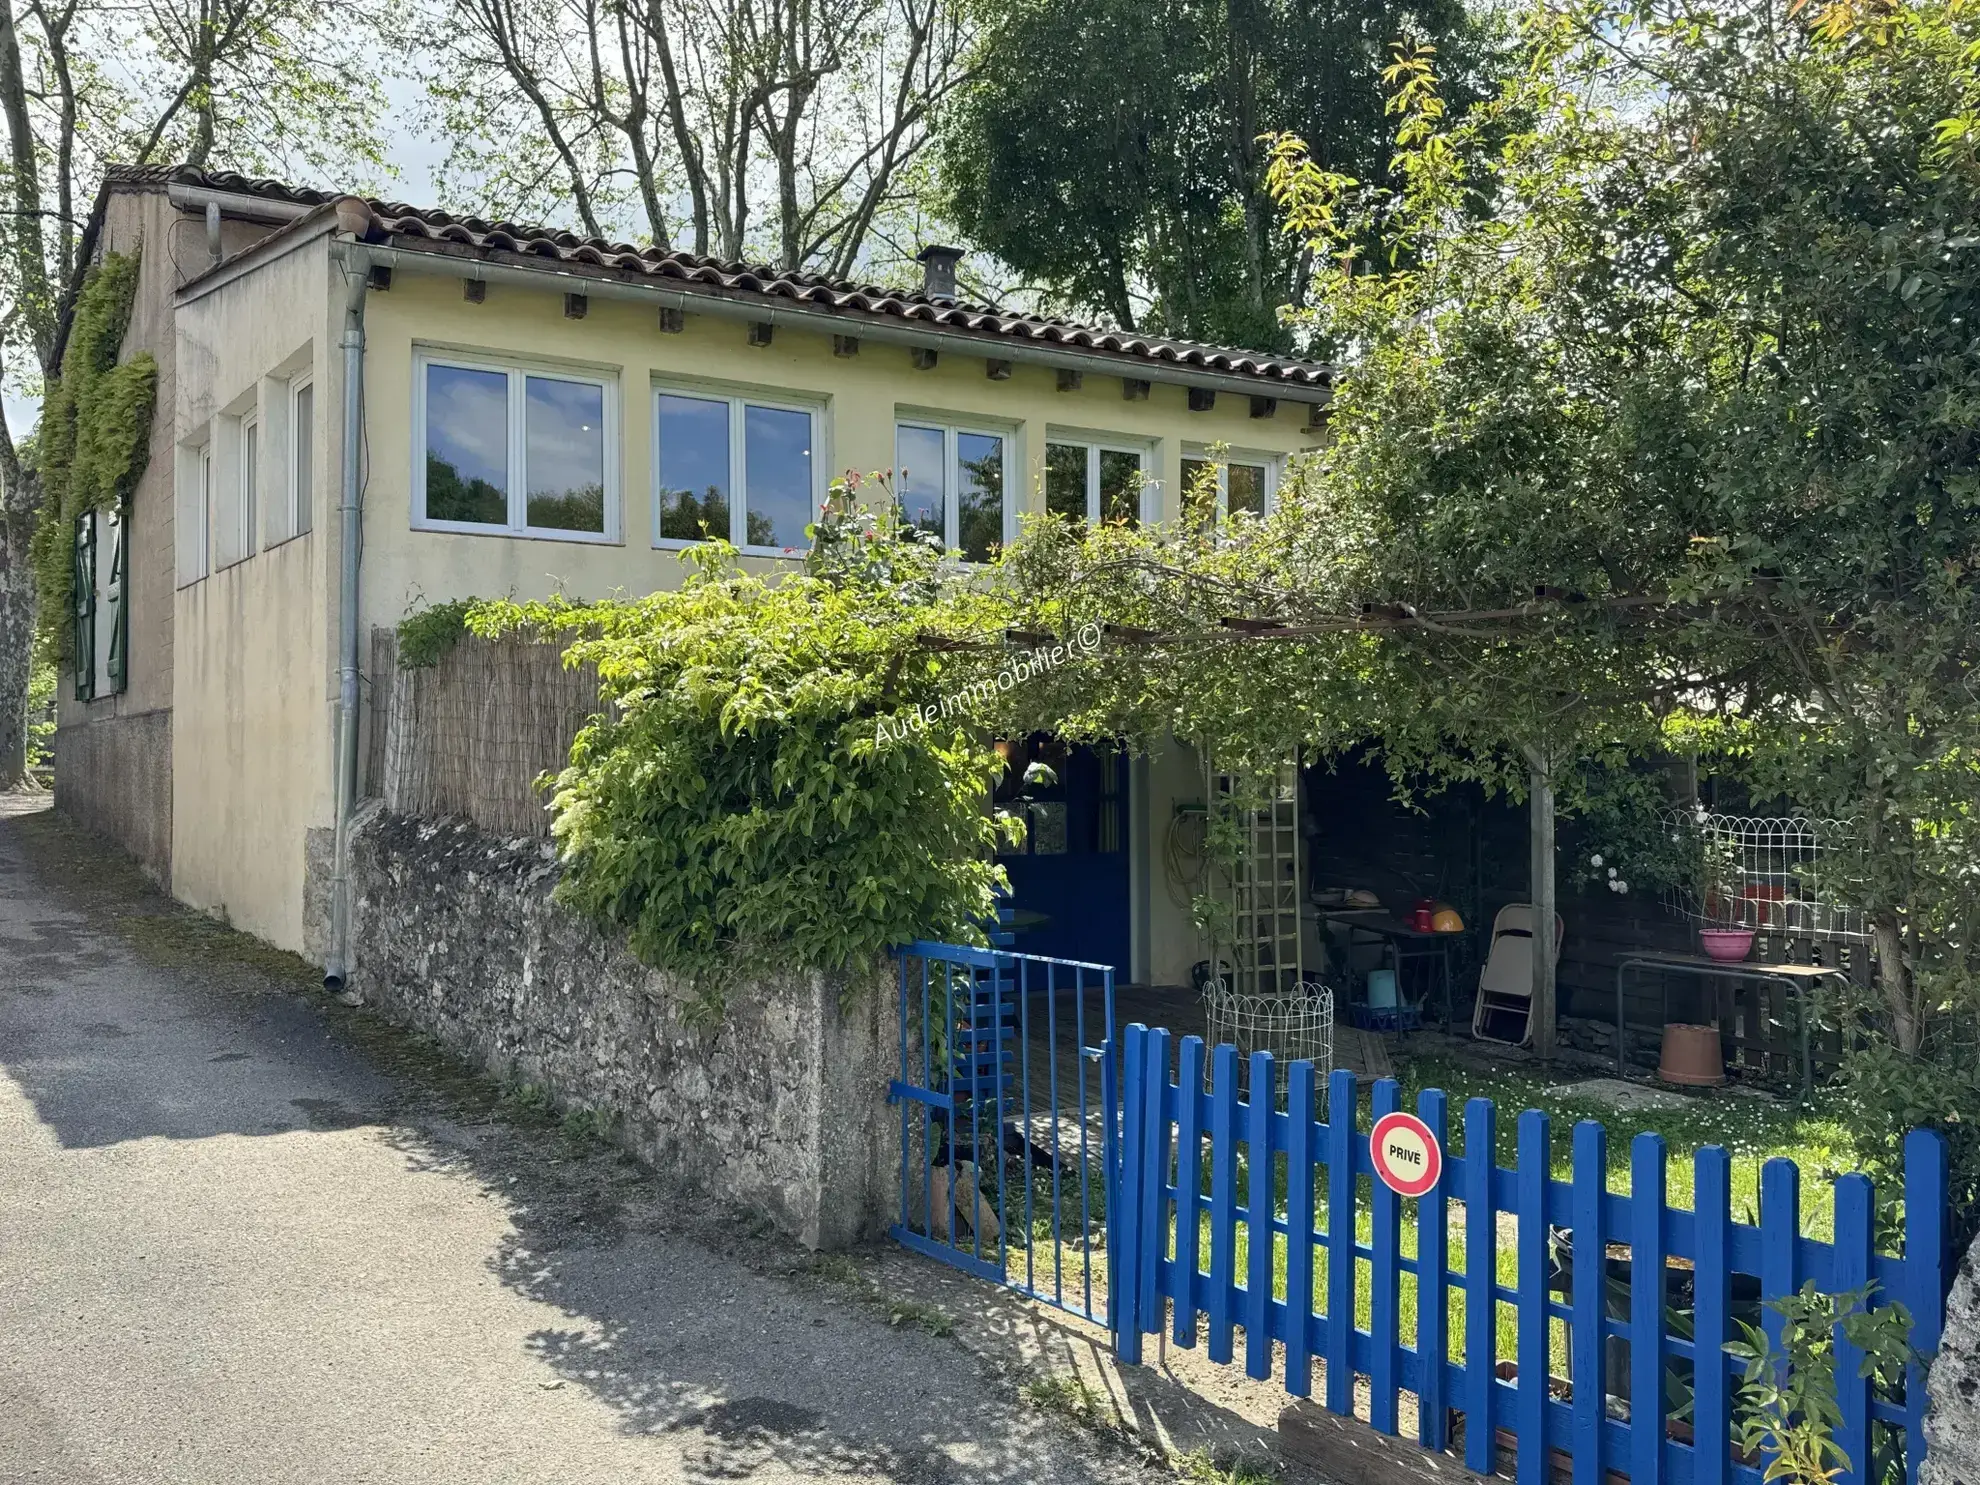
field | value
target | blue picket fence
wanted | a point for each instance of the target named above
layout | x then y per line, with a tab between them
1637	1396
1008	1100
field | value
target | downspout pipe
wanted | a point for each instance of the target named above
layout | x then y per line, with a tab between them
350	547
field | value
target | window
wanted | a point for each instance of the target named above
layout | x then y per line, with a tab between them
1244	482
952	482
505	449
195	492
228	485
250	470
734	468
100	618
302	456
1094	482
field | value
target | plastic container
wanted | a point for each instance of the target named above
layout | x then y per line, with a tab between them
1727	945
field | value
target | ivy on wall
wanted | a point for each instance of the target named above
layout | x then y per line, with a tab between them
95	435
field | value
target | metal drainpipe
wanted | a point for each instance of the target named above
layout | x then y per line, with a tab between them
357	278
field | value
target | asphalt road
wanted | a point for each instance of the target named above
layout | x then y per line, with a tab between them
246	1235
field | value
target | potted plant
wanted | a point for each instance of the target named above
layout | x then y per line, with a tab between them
1717	889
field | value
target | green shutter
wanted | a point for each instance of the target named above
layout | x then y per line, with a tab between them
120	608
85	607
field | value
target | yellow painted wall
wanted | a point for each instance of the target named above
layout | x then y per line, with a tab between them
1175	777
254	682
861	395
253	676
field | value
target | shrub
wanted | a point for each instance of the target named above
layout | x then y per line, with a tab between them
738	803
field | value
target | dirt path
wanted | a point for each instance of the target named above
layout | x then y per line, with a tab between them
247	1235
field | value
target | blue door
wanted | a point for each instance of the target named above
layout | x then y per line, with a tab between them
1069	882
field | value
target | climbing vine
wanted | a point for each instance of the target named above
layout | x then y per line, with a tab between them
95	434
772	780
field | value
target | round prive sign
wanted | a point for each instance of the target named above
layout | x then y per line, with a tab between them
1405	1154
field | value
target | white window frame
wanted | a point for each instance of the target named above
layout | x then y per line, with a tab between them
302	452
207	493
250	478
1144	452
193	513
952	435
738	466
1273	463
518	371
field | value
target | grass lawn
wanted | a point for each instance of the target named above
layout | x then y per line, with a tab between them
1753	1130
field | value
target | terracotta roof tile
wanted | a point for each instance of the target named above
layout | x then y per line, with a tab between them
396	219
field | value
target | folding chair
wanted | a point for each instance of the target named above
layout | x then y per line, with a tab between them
1504	1012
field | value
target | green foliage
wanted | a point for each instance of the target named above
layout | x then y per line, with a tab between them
41	713
1786	1405
427	636
1111	149
95	434
1714	352
736	804
1653	428
1891	1092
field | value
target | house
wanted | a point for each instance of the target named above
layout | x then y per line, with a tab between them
365	408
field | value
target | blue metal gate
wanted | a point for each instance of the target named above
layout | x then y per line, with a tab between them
1010	1096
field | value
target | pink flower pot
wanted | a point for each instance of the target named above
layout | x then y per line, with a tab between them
1727	945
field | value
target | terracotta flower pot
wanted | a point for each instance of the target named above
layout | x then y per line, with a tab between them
1692	1057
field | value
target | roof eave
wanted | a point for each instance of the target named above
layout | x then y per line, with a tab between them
424	254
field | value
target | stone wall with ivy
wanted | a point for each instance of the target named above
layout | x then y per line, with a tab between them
95	433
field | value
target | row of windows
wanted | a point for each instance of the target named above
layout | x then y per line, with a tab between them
251	485
534	452
528	451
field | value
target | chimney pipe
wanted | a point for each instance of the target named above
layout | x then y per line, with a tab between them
938	271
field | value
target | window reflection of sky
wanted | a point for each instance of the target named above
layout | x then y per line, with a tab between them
566	436
918	483
694	446
777	475
467	422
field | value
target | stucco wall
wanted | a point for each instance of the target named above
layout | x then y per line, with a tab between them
1175	776
778	1105
254	679
861	395
253	685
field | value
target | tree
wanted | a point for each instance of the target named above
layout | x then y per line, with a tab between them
782	129
1112	150
254	83
1655	415
1732	249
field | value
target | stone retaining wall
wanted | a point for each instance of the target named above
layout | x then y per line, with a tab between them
1952	1428
779	1106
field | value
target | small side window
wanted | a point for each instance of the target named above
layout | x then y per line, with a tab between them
250	481
302	456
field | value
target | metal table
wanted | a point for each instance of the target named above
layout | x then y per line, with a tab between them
1405	943
1797	976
